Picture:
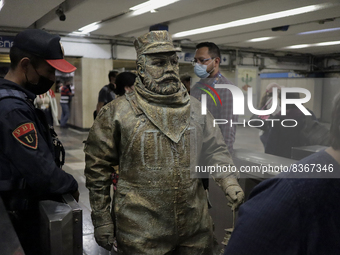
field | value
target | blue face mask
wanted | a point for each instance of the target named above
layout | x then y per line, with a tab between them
201	70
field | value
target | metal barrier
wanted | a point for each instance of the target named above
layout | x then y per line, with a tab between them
249	158
77	214
304	151
9	242
61	227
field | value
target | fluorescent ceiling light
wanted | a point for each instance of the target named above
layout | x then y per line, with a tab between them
320	31
257	19
327	43
2	3
140	6
77	33
150	5
313	45
300	46
260	39
87	29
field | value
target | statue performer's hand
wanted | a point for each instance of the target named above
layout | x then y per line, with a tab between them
235	196
104	236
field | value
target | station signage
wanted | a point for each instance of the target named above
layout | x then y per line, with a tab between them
6	41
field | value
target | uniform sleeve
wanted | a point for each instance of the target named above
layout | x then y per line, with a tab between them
29	154
100	157
269	222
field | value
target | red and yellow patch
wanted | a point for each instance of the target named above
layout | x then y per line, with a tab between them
27	135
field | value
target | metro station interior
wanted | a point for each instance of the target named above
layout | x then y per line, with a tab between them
291	43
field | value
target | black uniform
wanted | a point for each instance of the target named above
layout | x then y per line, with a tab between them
26	152
26	149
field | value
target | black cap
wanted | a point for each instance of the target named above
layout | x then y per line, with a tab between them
44	45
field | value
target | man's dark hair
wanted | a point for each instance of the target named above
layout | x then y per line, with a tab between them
124	79
335	124
185	77
214	51
112	74
17	54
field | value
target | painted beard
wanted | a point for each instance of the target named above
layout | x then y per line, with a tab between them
166	85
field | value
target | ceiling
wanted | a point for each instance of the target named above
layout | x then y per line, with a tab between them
117	21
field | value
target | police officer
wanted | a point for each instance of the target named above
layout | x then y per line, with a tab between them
26	151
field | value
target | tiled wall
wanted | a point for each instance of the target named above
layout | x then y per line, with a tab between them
94	77
91	75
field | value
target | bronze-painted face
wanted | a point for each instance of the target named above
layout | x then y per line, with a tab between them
161	73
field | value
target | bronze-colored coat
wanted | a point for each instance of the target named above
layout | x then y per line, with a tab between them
157	201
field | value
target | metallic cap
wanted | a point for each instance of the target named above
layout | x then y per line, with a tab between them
154	42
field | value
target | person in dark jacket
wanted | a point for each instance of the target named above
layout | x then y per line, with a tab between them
281	138
298	211
26	152
106	94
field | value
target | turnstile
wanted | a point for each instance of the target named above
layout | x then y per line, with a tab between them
61	227
304	151
253	161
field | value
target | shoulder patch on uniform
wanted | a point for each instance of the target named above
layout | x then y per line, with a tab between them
27	135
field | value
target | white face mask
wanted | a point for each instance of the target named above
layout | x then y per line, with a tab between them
201	70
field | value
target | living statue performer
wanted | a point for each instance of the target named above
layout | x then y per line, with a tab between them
155	134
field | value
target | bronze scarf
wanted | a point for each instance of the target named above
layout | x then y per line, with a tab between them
170	113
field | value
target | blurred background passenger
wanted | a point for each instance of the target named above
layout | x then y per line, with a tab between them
186	80
58	85
206	64
106	94
48	104
65	101
124	83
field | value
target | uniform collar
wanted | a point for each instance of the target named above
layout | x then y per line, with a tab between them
12	85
